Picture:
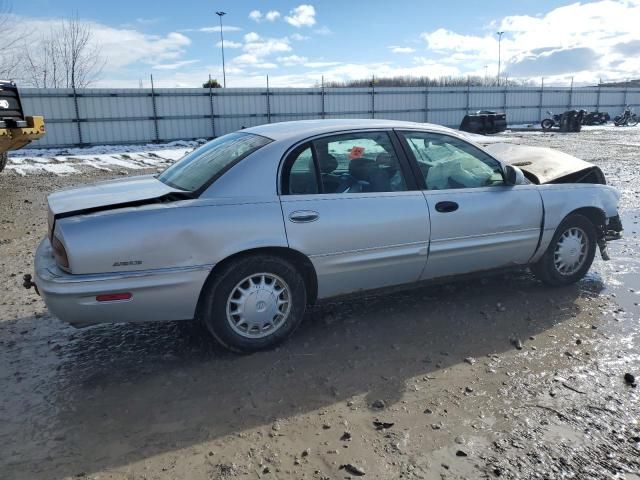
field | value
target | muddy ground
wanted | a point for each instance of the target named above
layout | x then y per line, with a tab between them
499	378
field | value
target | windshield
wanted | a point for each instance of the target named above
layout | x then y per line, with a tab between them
211	160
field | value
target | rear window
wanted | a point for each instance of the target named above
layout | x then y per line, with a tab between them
211	160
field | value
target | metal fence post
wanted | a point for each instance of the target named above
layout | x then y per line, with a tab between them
77	111
268	102
322	98
504	100
626	93
570	95
213	122
373	96
426	104
598	97
468	93
155	111
541	100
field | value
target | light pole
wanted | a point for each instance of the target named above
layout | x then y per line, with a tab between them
224	75
499	53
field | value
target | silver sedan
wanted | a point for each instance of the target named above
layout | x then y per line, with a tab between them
246	231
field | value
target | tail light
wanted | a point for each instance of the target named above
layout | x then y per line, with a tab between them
59	253
113	297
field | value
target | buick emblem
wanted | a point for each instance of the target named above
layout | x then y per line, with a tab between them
4	104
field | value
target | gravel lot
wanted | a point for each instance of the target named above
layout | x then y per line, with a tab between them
499	378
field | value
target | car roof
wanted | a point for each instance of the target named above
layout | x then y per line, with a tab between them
308	128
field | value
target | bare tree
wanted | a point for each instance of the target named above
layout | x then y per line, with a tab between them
9	58
65	57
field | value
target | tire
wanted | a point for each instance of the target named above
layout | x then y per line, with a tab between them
4	157
233	321
547	124
549	268
633	121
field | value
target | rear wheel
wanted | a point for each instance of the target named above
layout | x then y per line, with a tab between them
254	303
570	253
546	124
4	157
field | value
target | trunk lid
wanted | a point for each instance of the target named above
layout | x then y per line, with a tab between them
109	195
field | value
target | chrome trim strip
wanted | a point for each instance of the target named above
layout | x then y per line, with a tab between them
57	277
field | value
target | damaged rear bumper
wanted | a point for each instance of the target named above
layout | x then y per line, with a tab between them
156	295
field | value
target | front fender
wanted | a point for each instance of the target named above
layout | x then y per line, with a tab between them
561	199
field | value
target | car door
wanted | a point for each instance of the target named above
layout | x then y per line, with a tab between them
350	204
477	221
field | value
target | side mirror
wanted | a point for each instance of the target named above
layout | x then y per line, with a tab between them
513	175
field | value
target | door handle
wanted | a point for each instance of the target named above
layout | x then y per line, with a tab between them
304	216
446	207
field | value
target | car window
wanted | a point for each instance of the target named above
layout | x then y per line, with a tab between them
302	179
359	163
209	161
447	162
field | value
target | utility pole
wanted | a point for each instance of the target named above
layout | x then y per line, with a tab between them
224	75
499	53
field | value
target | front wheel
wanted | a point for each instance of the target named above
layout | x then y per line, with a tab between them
253	303
4	157
546	124
633	121
570	253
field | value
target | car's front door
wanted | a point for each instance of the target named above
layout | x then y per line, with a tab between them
349	204
477	222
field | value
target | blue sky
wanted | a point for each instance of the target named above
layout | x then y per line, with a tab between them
299	42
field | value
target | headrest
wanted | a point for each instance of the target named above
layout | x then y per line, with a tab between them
360	168
328	163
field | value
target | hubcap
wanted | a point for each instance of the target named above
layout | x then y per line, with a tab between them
258	305
571	251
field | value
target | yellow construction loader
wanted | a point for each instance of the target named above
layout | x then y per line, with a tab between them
16	130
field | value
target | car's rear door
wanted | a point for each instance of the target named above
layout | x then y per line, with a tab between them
477	222
351	205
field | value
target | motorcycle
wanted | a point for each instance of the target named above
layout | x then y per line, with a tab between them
596	118
573	121
627	118
549	123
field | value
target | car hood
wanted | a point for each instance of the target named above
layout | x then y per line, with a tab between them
108	195
545	165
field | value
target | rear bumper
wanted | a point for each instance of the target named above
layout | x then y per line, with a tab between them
157	295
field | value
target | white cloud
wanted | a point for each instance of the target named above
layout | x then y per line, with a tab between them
302	16
272	15
395	49
292	60
265	65
581	40
214	29
263	47
229	44
321	64
251	37
298	38
174	66
324	30
119	47
255	15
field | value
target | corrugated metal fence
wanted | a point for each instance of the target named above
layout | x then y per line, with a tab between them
115	116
